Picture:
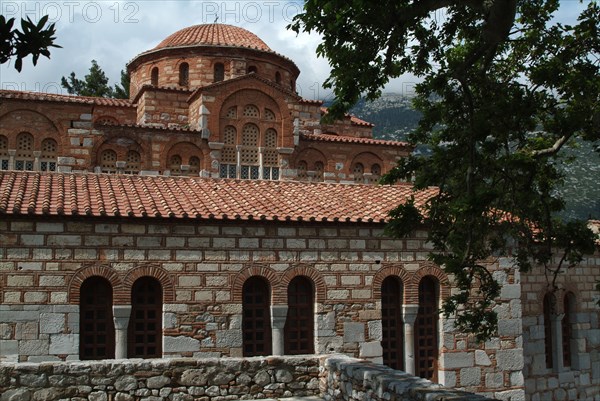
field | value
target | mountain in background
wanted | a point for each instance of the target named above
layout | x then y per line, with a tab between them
394	117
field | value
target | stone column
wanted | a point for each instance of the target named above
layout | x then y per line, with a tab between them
36	160
261	163
121	318
278	317
557	345
11	158
409	316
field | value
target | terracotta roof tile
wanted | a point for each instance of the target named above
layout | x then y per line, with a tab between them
351	139
52	97
99	195
353	119
214	35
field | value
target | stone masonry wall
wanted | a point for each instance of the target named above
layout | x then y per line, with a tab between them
161	380
202	267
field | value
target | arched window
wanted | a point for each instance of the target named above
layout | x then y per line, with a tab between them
269	115
228	153
194	166
292	85
319	167
251	111
108	160
252	69
175	165
426	330
249	152
375	172
358	171
567	328
96	325
299	323
219	72
3	152
144	337
154	76
302	168
184	74
391	323
278	78
256	318
549	305
133	162
48	155
270	156
24	156
231	112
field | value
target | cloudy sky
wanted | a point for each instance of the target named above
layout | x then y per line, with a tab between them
113	32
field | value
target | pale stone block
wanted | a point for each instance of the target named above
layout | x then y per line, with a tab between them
51	323
509	359
494	380
33	347
198	242
32	240
203	295
36	297
448	378
58	297
8	348
509	327
189	281
510	291
338	294
61	344
361	294
482	358
30	265
49	227
52	281
216	281
19	281
180	344
354	332
223	242
64	240
192	255
470	377
516	379
248	243
12	297
375	330
350	280
169	320
370	349
222	296
452	360
229	338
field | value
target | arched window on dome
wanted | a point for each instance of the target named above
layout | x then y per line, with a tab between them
48	155
175	165
270	156
3	153
219	72
194	164
24	157
278	78
269	115
358	170
133	165
252	69
108	161
319	168
228	167
184	74
154	76
302	168
249	163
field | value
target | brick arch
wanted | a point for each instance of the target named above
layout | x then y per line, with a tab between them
185	149
310	156
256	270
385	272
40	126
111	141
84	273
367	159
156	272
428	269
308	271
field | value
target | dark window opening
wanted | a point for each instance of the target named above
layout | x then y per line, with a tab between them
184	74
548	307
426	330
253	69
256	317
278	78
299	323
154	76
145	323
96	325
392	323
219	72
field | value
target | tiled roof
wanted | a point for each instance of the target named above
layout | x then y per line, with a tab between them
214	35
353	119
351	139
52	97
30	193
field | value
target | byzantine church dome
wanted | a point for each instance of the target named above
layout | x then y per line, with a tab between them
214	35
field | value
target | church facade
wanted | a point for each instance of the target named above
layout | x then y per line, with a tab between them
213	214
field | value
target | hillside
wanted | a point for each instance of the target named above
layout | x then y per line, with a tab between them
394	117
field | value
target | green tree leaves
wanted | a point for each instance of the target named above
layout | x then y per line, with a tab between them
503	90
33	39
95	83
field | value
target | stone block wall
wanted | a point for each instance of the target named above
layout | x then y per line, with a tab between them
202	267
580	380
161	380
349	379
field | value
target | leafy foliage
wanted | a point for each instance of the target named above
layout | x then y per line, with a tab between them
503	90
95	83
33	39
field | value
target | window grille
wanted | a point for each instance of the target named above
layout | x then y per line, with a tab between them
392	324
269	115
133	162
251	111
358	171
194	165
256	318
3	152
301	167
426	330
96	325
108	160
175	165
184	74
145	322
219	72
299	324
48	156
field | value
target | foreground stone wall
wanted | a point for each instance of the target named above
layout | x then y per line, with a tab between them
161	380
350	379
335	378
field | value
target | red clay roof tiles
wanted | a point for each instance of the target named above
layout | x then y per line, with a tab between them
351	139
102	101
214	35
30	193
